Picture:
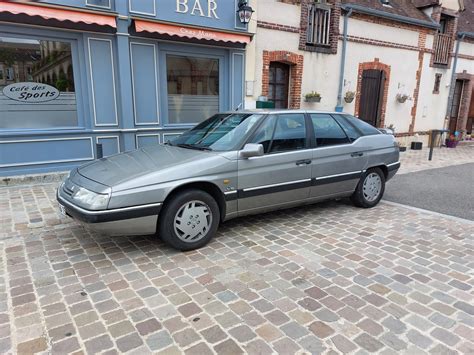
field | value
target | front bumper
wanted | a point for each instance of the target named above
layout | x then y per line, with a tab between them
116	214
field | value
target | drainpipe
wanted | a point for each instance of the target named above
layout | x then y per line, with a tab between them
339	107
460	37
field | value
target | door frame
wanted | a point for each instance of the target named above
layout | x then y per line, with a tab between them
275	83
377	65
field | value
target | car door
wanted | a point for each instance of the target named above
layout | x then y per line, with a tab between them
337	163
283	174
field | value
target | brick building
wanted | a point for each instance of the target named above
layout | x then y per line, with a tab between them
389	62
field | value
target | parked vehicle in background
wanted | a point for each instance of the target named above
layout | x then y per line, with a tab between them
231	165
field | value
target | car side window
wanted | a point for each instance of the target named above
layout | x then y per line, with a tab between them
327	131
350	130
290	133
364	127
264	133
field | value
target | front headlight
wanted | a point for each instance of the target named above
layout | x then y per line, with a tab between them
91	200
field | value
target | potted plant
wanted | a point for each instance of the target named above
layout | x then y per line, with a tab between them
349	97
452	141
402	98
312	96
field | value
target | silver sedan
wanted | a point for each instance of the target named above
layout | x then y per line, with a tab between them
233	164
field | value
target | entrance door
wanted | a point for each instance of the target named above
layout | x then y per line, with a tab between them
371	96
279	78
453	116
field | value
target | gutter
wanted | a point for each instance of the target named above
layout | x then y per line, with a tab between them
339	107
460	37
404	19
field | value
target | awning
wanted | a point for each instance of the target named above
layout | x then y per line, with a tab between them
190	32
55	14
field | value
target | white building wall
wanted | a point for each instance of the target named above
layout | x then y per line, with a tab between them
321	71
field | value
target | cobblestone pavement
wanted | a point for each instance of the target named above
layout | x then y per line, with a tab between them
416	160
328	278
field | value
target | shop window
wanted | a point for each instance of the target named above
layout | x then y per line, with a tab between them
35	93
319	15
437	83
193	88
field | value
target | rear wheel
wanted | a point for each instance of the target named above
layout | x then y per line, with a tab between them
189	220
370	189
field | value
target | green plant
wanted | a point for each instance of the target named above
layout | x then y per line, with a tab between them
349	95
312	94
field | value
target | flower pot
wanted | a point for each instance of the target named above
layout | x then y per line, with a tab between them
402	149
348	99
451	144
401	99
313	99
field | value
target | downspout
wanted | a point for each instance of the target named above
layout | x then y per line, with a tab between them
460	37
339	107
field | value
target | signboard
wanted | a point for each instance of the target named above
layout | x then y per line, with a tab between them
30	92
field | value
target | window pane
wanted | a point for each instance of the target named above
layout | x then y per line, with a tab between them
36	84
264	133
193	88
362	126
350	130
290	133
327	131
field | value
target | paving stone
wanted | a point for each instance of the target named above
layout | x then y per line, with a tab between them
257	346
394	325
441	320
277	317
269	332
199	349
129	342
285	346
185	337
32	346
159	340
148	326
392	340
228	347
98	344
294	330
343	344
446	337
321	330
419	339
368	343
242	333
465	307
214	334
370	327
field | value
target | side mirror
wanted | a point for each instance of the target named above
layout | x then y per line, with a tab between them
251	150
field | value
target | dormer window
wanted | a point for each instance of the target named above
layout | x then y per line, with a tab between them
319	19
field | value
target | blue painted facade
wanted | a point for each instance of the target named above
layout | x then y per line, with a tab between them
120	82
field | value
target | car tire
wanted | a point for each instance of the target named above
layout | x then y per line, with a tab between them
189	220
370	189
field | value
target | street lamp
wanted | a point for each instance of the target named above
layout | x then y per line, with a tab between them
244	11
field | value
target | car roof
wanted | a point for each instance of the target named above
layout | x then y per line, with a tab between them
277	111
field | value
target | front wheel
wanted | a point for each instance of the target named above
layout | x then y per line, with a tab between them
189	220
370	189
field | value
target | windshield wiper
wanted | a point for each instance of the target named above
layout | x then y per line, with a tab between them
192	146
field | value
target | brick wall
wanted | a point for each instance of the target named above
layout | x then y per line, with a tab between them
295	62
334	28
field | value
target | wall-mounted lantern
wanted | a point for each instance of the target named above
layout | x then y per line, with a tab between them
245	11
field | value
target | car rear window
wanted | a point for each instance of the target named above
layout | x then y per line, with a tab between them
350	130
365	128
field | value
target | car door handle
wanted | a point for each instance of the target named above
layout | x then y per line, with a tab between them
303	162
357	154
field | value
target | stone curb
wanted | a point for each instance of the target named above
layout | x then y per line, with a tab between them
32	179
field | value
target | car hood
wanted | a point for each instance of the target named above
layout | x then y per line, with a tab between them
125	167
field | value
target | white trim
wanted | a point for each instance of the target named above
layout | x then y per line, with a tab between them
230	192
92	81
49	161
146	135
100	6
274	185
336	175
388	165
89	212
233	82
109	137
129	130
140	12
156	85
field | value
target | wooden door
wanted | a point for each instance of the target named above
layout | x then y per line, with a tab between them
453	116
278	85
371	96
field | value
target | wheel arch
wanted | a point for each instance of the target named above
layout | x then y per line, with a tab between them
382	167
209	187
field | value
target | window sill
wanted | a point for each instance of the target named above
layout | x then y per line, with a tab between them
318	49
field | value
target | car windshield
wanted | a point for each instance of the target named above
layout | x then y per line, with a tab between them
221	132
